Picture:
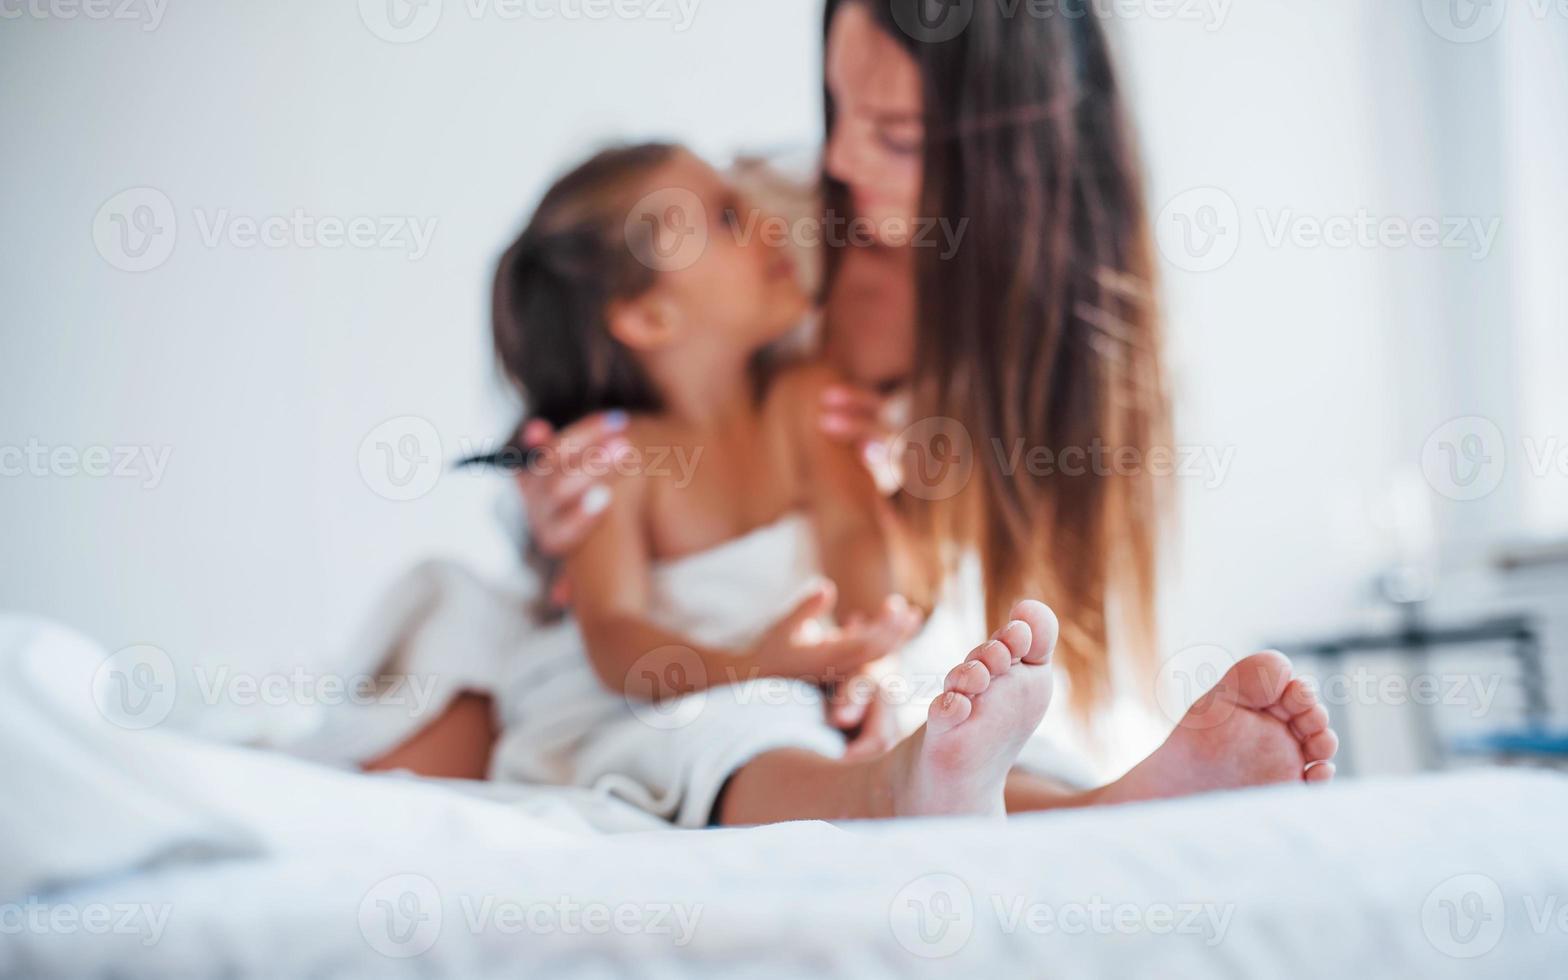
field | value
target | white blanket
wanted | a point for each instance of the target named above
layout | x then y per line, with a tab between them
143	853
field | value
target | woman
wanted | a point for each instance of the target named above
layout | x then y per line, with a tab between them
1038	330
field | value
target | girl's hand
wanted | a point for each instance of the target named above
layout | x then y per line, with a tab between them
877	727
857	706
868	421
563	497
799	647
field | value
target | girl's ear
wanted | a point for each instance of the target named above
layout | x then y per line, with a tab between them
645	324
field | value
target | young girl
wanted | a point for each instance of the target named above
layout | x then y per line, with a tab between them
701	637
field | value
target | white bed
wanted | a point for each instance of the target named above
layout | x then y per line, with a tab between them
146	853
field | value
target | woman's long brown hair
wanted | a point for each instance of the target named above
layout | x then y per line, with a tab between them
1041	330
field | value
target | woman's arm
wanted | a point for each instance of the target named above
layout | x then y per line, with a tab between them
855	530
848	514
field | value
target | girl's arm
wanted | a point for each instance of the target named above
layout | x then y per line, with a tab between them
610	575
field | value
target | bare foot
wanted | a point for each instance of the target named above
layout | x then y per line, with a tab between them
1258	725
957	763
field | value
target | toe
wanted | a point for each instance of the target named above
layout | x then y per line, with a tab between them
1310	722
1043	630
1017	638
1257	681
996	656
948	711
1318	772
1321	747
970	677
1299	697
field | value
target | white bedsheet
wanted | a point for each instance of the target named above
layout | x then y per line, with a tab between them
244	863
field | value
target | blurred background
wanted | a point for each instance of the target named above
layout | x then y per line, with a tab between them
246	285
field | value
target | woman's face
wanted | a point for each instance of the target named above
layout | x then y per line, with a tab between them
878	135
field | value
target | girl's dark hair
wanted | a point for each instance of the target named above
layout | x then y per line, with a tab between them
1041	330
555	285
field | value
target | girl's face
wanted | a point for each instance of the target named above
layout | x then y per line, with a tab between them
878	135
722	262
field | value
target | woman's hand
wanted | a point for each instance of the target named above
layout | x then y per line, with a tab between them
868	421
801	648
563	497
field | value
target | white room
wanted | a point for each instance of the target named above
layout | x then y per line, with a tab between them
248	339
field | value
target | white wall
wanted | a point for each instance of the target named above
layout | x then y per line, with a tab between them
263	370
1277	354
